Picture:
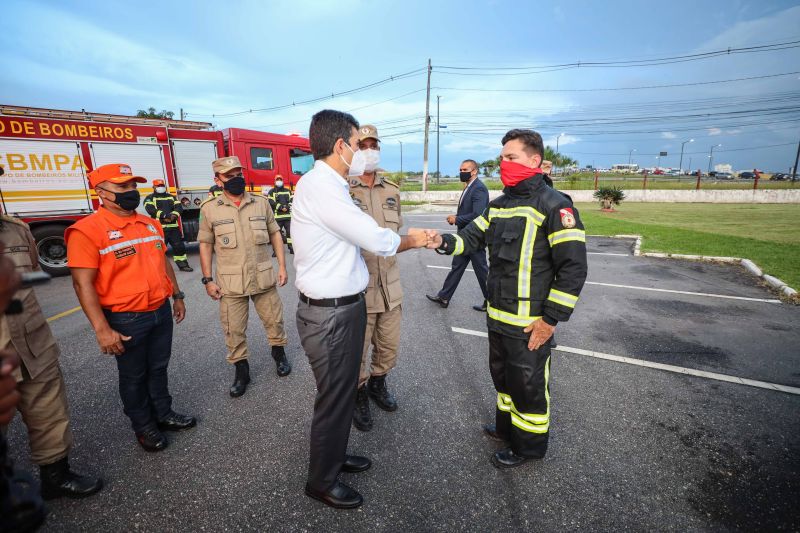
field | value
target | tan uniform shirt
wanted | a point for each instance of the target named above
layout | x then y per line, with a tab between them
240	236
381	202
27	333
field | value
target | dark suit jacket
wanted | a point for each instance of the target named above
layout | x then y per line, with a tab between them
474	201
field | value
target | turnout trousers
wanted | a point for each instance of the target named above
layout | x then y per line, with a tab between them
332	338
522	380
175	240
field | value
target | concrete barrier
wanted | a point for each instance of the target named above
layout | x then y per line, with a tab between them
763	196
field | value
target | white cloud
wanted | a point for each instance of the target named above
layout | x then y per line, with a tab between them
734	132
668	135
714	131
563	141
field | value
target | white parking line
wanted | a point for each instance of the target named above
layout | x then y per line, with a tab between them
660	366
705	294
608	253
634	287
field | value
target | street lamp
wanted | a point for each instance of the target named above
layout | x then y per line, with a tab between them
630	154
558	156
680	165
438	130
401	159
711	156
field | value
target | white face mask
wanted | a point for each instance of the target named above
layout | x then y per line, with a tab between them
357	164
161	190
279	183
372	159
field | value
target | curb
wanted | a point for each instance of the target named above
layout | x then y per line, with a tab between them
750	266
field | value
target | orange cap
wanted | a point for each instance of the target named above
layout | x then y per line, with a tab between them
115	173
156	183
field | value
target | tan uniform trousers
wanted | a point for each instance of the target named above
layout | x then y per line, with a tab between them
234	312
44	409
383	333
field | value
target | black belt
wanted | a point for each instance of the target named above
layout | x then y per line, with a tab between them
331	302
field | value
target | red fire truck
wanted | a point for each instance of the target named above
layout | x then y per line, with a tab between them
46	154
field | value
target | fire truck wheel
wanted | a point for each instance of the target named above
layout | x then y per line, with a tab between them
52	249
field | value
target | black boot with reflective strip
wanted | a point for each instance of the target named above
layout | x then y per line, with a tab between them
58	480
184	266
380	393
362	418
242	378
282	365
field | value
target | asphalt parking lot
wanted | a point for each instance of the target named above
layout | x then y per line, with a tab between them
634	444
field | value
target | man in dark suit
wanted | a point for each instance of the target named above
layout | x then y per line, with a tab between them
474	201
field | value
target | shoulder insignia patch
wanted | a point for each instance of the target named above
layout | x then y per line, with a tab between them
567	217
152	229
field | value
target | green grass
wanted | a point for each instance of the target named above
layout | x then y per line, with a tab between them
765	233
626	182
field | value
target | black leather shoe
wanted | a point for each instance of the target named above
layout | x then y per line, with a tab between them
490	430
354	464
506	458
184	266
439	300
242	378
282	366
58	480
362	418
376	386
481	308
340	496
176	422
152	440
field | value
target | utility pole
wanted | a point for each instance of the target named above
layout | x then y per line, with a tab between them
427	127
794	170
680	165
401	159
181	113
438	131
711	156
630	155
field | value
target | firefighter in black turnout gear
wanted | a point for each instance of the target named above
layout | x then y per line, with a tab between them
163	207
280	199
537	268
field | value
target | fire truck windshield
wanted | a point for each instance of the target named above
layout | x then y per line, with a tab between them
302	161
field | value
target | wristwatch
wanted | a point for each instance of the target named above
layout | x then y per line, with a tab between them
205	280
178	296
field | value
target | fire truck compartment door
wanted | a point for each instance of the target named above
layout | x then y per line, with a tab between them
43	178
193	163
145	160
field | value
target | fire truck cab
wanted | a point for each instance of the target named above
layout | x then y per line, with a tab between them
47	153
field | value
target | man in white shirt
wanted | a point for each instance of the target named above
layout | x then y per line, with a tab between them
329	231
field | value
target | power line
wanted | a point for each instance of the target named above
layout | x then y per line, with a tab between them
642	87
330	96
516	71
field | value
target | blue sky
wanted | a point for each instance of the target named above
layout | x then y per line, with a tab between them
226	57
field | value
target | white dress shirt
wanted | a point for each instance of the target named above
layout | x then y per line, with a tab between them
328	232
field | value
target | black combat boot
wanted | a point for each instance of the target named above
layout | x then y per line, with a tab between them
282	365
291	250
377	389
242	378
362	418
58	480
183	266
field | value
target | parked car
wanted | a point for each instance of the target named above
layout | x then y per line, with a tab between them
712	174
747	175
724	176
780	176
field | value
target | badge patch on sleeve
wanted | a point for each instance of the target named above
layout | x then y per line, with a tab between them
567	217
125	252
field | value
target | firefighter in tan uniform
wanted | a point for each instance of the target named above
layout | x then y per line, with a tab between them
381	200
238	227
43	398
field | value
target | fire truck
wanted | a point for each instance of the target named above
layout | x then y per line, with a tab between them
47	153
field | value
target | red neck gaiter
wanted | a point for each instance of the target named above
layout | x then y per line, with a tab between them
512	173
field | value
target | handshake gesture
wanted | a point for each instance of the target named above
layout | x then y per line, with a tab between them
424	238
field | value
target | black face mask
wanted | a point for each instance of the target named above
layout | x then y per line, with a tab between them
465	176
235	185
128	200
